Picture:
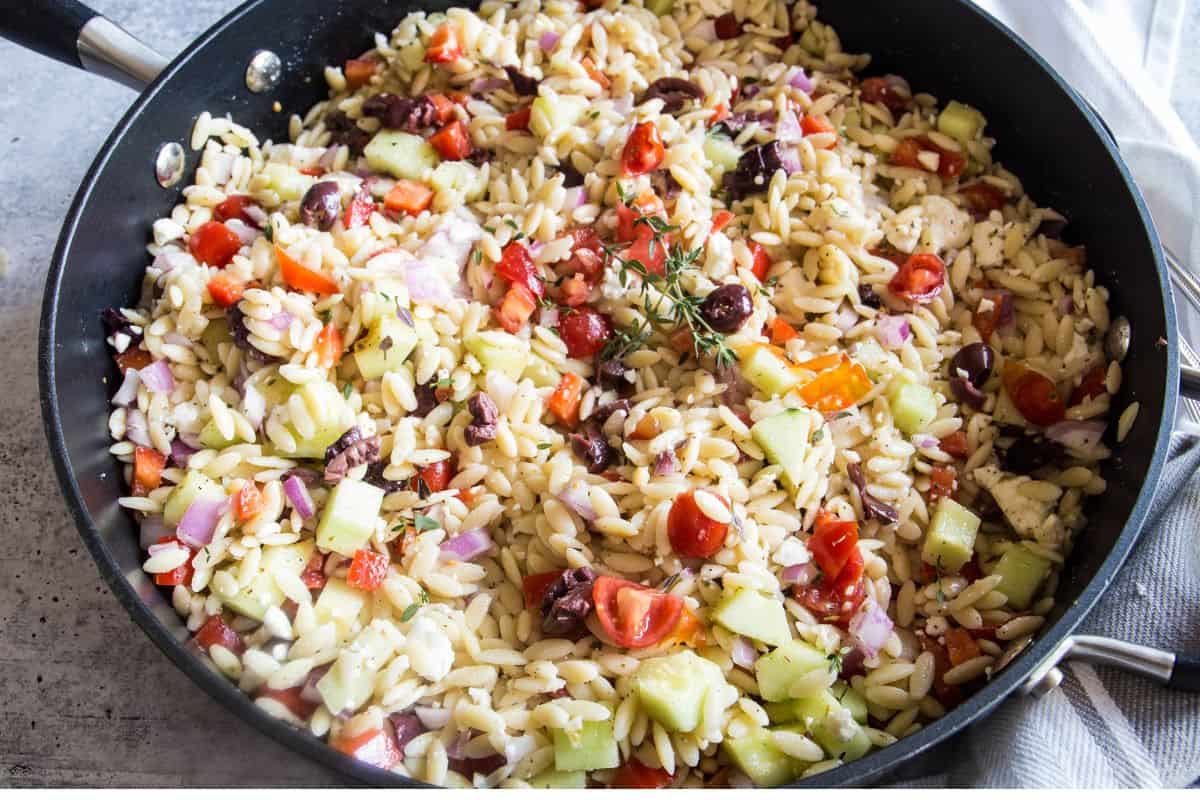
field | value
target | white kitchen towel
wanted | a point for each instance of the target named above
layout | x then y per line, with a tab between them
1104	728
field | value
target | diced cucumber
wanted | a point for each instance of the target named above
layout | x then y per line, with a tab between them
215	333
456	182
412	55
833	726
660	8
593	746
811	711
1022	572
339	604
781	711
672	688
401	155
721	153
286	181
553	779
210	436
767	371
350	682
913	406
263	590
554	116
195	485
756	755
387	343
961	122
851	699
950	538
756	615
329	412
349	517
784	439
780	668
541	372
499	351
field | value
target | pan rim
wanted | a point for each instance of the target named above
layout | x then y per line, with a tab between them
872	767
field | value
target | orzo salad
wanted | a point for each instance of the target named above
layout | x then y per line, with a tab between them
626	394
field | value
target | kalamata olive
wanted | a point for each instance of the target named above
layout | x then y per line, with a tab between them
321	205
973	362
727	307
593	449
966	392
1028	453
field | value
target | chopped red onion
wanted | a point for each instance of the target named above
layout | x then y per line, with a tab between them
192	441
575	497
309	691
137	430
199	521
666	463
425	284
281	321
548	317
158	377
801	81
328	158
487	84
924	441
788	130
457	749
799	574
789	158
468	545
433	719
892	331
574	197
743	653
454	240
127	394
152	529
845	318
246	233
181	452
254	406
1067	304
871	627
168	260
1079	435
297	494
623	105
706	30
175	337
548	40
256	214
407	727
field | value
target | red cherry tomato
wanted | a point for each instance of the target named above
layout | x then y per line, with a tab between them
376	747
516	307
907	154
648	205
693	534
883	92
1034	395
225	289
367	570
436	476
810	124
584	331
633	774
634	615
650	253
982	198
643	151
920	278
1092	385
445	46
761	263
955	445
452	142
215	631
516	266
943	481
832	543
214	244
535	586
234	207
587	255
836	599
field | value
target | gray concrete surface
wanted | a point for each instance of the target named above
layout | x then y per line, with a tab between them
85	698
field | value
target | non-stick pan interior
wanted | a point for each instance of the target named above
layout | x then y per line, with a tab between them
943	46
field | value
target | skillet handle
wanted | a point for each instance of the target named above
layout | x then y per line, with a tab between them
1175	670
70	32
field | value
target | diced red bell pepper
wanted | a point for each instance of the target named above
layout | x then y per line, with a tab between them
408	197
367	570
148	466
359	71
215	631
214	244
225	289
248	502
452	142
301	278
445	46
515	308
518	120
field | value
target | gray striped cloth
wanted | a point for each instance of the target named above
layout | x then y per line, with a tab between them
1103	728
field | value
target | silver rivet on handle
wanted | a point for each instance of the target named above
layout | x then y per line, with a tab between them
169	164
264	71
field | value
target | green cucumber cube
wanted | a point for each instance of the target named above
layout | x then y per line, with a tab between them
215	333
210	436
554	116
350	682
780	668
756	755
672	688
263	590
457	182
849	697
196	485
913	406
286	181
784	439
593	746
387	343
401	155
541	373
950	539
961	122
660	8
1022	572
768	372
349	517
781	711
331	414
756	615
499	351
722	154
339	604
553	779
832	726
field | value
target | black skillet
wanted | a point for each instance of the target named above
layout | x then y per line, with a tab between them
1047	136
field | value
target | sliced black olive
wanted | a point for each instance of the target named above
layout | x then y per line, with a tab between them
973	362
727	307
321	205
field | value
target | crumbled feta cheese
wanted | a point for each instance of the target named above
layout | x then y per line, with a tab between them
429	650
946	225
841	724
1027	516
987	243
718	258
903	231
791	551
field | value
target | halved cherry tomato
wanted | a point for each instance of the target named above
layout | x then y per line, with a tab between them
832	542
376	747
692	533
408	197
300	277
215	631
248	502
445	46
596	75
907	154
452	142
133	358
761	262
1034	395
720	220
574	291
882	91
436	476
519	119
564	403
982	197
989	316
647	205
943	481
360	209
516	307
837	389
214	244
584	331
313	575
148	466
516	266
1092	385
781	332
534	586
587	255
688	631
836	599
643	151
647	251
359	71
225	289
181	574
955	445
634	615
960	646
633	774
367	570
919	279
234	207
328	346
290	699
810	125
